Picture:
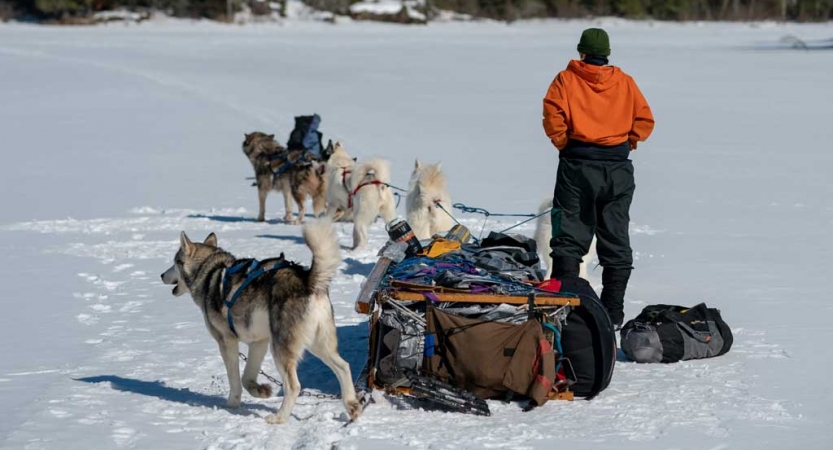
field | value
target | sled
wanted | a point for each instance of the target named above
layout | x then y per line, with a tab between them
397	313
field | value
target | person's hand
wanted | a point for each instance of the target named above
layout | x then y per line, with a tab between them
632	145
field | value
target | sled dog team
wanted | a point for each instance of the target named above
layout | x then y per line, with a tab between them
345	189
280	306
361	191
285	308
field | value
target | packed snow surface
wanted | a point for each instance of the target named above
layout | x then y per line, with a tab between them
115	138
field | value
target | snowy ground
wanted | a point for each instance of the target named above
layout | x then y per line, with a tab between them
115	138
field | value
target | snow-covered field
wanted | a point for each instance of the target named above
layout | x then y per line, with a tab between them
115	138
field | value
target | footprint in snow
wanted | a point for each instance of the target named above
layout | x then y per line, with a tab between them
59	413
131	307
123	436
87	319
101	308
122	267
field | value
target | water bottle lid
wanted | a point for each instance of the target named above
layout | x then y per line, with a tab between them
393	223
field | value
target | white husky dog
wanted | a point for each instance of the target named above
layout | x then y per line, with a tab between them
428	188
339	168
543	233
367	195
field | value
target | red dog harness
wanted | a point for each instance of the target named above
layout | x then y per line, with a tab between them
350	195
344	174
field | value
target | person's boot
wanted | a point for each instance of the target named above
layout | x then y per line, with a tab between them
614	284
565	266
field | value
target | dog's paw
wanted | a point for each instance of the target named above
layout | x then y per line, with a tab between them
276	419
259	390
233	403
261	219
298	221
289	218
354	409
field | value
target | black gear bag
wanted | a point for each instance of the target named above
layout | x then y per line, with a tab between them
668	333
305	135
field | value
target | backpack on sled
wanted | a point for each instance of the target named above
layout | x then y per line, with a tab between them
305	135
668	333
588	339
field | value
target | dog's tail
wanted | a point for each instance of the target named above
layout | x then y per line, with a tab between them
543	233
320	237
372	169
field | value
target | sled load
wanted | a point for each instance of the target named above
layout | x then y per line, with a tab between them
305	136
453	323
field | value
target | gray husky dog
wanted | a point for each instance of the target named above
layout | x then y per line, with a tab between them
285	310
294	173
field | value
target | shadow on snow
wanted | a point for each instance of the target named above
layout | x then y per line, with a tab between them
314	375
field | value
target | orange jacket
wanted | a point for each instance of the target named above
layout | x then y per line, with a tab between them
596	104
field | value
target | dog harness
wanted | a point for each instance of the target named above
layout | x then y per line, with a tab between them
350	195
253	270
346	171
286	165
280	171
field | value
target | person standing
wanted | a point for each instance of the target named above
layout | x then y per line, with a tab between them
595	115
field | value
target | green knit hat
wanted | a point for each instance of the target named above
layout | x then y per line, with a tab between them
594	41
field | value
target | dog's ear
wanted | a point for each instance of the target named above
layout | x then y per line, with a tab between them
211	240
417	164
339	144
271	137
186	244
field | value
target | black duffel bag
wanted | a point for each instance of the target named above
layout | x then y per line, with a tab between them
668	333
588	340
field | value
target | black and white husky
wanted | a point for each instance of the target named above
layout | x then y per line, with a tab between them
285	310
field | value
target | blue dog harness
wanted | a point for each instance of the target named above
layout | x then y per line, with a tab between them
286	165
253	270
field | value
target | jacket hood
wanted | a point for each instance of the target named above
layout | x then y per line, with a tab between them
599	78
